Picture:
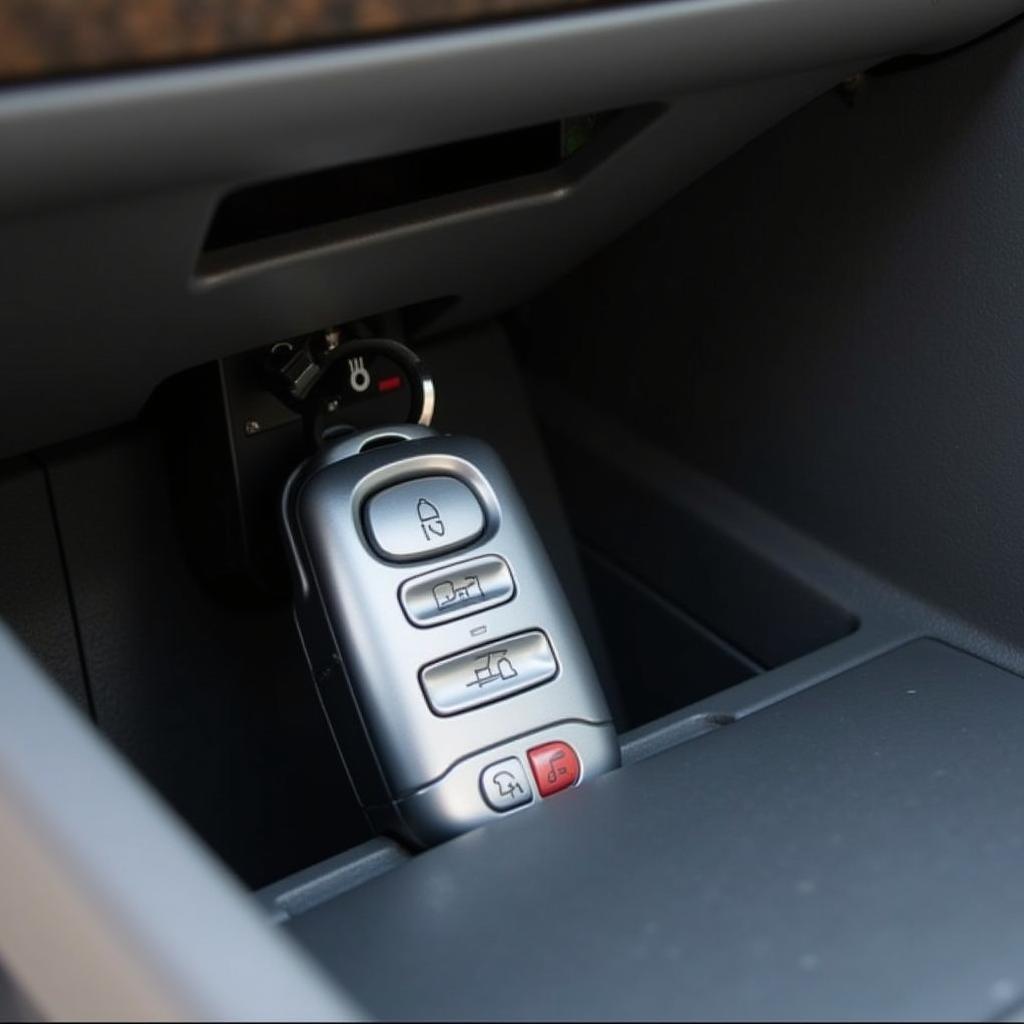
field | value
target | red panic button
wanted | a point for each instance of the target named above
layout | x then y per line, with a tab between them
555	766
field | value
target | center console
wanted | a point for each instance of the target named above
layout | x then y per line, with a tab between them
853	851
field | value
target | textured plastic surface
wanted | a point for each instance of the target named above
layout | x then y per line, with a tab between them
853	851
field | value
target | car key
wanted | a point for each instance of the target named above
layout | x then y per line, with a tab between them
446	657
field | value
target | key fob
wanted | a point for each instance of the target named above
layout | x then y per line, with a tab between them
446	657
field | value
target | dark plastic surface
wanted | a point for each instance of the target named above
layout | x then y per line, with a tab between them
480	393
830	323
305	889
33	591
287	205
639	510
663	658
210	701
112	247
123	262
852	852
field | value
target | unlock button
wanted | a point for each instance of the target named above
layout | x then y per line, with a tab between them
423	518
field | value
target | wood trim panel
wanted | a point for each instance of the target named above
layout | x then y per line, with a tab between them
44	38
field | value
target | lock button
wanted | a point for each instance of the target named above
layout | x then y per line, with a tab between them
423	518
505	786
555	767
456	590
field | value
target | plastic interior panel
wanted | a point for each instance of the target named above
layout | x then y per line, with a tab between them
299	892
757	604
111	248
663	657
866	385
34	601
211	701
781	867
587	444
102	880
586	441
124	267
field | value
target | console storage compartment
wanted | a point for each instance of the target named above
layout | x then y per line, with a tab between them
686	603
778	867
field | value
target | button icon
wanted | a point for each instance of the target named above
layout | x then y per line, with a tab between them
555	767
423	518
457	590
452	593
488	673
430	519
491	667
504	784
358	375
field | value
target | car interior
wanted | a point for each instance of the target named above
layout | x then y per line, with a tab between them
508	510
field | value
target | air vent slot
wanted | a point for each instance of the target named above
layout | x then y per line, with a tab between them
265	220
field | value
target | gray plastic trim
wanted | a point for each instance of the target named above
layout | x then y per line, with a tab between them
205	123
888	615
109	909
109	184
852	853
306	889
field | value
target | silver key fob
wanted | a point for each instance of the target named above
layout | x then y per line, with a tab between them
446	657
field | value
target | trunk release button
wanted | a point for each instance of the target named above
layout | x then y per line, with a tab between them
555	767
488	673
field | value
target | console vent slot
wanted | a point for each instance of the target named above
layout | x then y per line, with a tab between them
271	218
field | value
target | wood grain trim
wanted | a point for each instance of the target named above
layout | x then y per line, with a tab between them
43	38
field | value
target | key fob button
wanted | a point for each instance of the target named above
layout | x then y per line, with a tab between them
555	767
505	785
423	518
456	590
485	674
